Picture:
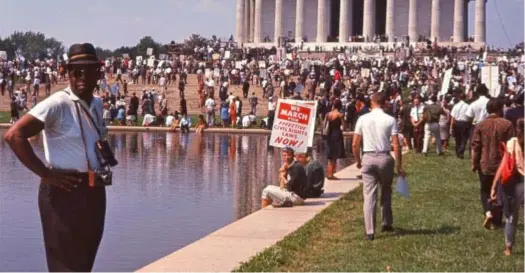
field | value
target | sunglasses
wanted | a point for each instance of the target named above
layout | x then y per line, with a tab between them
80	71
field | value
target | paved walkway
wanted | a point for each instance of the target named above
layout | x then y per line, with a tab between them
224	249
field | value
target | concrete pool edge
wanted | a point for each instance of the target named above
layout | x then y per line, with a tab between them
224	249
165	129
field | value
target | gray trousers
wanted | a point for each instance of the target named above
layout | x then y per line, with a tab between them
377	171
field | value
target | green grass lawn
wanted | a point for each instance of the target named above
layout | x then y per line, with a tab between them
438	229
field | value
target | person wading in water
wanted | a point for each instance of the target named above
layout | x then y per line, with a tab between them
72	196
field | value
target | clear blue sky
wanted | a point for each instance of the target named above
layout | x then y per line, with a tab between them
113	23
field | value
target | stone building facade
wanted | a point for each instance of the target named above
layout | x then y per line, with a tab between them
322	21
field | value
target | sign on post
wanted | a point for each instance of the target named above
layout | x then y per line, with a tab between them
489	77
149	51
446	82
293	125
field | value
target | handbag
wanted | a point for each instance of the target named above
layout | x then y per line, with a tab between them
326	127
508	163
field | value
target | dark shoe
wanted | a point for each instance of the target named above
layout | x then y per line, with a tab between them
461	156
287	204
370	237
387	229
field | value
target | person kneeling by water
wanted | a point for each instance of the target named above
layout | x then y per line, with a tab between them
314	174
293	184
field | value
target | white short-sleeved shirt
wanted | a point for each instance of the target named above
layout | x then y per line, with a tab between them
478	110
459	111
417	112
376	128
63	144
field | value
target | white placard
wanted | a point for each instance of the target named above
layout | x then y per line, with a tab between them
64	56
238	65
227	55
151	62
446	82
163	56
138	59
262	64
489	77
291	127
207	73
149	51
3	55
217	72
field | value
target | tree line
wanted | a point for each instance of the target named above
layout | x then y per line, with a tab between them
35	45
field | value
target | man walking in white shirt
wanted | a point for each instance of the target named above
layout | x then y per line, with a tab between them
378	131
460	125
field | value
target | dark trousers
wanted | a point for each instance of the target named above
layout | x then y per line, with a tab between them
418	138
462	135
485	182
73	223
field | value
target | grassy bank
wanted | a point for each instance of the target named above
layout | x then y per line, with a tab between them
438	229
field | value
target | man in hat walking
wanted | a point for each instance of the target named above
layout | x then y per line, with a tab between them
72	211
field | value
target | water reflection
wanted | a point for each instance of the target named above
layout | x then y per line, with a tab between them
169	191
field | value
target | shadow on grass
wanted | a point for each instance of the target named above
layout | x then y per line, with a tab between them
313	203
444	230
330	195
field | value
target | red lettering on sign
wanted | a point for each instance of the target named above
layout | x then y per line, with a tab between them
287	141
294	113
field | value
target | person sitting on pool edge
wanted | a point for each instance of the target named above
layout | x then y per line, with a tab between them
294	192
314	174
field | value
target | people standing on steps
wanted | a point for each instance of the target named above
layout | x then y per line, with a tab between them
378	131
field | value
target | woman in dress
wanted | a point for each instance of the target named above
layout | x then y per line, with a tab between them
444	125
201	125
335	148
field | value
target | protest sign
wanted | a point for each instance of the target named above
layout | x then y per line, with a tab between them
3	55
227	55
215	56
262	64
65	57
446	82
238	65
149	51
125	56
365	72
292	125
138	59
207	73
217	72
151	62
490	76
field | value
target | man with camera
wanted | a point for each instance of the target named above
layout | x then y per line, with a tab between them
72	196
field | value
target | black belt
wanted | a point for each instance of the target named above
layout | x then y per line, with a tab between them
378	153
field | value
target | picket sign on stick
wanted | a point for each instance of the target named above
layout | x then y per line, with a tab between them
293	125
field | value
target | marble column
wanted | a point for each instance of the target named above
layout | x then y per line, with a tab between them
321	21
299	21
459	32
278	27
480	23
369	19
465	20
252	18
257	24
343	22
239	29
435	27
412	21
247	28
389	26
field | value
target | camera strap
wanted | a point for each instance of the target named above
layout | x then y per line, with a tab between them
82	133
